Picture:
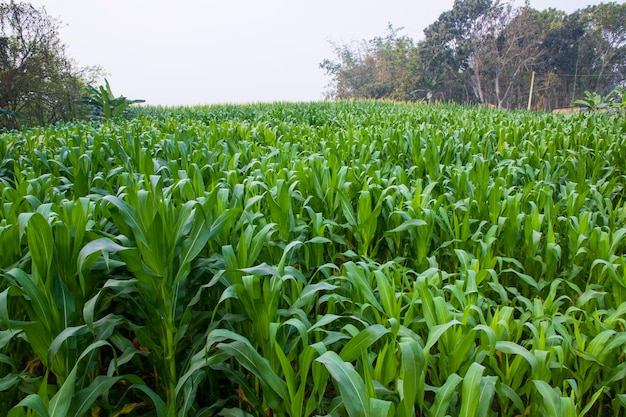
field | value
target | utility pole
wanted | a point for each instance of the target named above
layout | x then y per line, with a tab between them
530	94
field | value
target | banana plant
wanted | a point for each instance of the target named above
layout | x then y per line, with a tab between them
104	104
12	113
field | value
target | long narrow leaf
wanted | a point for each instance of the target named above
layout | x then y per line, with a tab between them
351	385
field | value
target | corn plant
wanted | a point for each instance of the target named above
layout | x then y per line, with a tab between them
346	259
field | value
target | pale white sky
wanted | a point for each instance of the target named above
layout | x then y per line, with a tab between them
189	52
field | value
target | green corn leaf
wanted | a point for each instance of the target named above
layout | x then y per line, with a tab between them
289	374
491	337
87	396
387	366
61	401
261	270
436	332
41	245
62	337
35	403
408	225
350	384
234	412
41	304
318	240
524	277
291	246
90	253
594	398
198	362
568	407
131	218
362	341
310	291
616	315
359	278
247	356
508	393
487	390
600	342
159	405
513	348
189	393
324	321
8	381
471	390
43	391
193	243
426	298
412	375
258	242
381	408
89	310
386	293
444	395
306	363
618	373
4	317
550	399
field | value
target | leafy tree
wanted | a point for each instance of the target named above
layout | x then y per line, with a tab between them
560	61
486	46
510	48
37	79
379	68
450	47
604	44
350	73
583	52
487	52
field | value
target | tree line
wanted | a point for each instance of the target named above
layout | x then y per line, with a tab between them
492	53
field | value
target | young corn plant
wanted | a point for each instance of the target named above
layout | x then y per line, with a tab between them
160	258
346	259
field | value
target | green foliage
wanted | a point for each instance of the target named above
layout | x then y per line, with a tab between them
614	102
378	68
104	104
619	104
12	113
486	52
37	79
345	259
595	101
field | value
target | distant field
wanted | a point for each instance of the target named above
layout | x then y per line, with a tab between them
344	259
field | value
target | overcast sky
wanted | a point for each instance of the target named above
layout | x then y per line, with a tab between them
231	51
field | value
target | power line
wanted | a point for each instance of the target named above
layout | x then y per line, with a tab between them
581	75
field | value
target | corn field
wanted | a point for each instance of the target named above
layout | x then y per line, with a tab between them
315	259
